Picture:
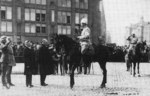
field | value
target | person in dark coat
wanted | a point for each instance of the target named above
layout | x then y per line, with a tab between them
45	65
29	61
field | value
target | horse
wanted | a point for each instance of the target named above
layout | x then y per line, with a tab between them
73	49
135	57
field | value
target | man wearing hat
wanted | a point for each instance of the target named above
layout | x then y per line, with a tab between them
44	62
132	41
85	37
7	60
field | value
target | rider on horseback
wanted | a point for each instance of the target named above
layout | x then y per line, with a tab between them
85	37
132	42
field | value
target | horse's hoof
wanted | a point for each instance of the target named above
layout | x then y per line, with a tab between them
103	86
139	75
71	86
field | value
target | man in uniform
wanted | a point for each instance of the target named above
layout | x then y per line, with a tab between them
132	42
85	37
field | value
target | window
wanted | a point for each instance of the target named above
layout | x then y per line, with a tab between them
59	29
77	3
79	16
32	1
43	15
64	3
35	28
9	13
35	15
6	12
19	13
63	29
6	26
32	28
9	26
83	4
53	16
64	17
27	14
38	1
68	17
68	3
43	2
27	28
7	0
43	27
32	15
3	26
27	1
38	28
3	14
68	30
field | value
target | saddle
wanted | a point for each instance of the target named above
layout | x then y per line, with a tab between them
89	50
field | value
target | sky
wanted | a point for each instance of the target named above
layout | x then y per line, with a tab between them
122	13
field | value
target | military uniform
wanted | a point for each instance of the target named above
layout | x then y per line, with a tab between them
133	41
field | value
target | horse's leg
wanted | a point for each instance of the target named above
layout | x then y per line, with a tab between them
134	68
89	67
138	69
130	68
72	75
61	68
103	67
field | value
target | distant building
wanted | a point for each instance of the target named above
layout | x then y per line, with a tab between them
141	29
37	19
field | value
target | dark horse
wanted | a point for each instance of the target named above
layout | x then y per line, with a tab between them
135	57
72	48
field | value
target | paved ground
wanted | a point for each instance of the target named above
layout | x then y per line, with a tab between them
120	83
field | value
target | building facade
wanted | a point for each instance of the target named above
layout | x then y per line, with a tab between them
37	19
141	29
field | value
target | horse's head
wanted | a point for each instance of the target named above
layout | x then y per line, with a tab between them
141	47
64	42
58	42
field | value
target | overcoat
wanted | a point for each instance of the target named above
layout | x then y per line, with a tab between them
29	59
45	65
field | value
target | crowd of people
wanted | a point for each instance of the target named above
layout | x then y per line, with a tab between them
38	59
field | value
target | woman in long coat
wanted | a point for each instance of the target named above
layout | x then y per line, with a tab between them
46	67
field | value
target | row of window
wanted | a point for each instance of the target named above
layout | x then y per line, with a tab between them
64	17
7	0
64	3
82	4
63	29
41	2
6	12
6	26
35	15
35	28
40	15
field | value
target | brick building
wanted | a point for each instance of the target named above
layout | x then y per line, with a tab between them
37	19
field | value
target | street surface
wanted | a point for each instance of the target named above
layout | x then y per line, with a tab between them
120	83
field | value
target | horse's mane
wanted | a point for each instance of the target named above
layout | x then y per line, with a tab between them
67	39
68	42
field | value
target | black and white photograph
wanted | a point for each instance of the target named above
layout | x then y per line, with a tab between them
74	47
